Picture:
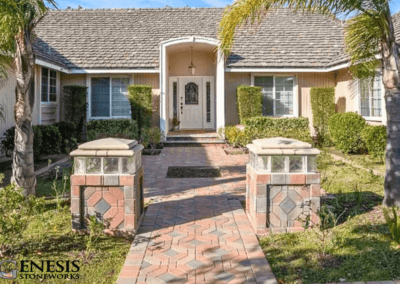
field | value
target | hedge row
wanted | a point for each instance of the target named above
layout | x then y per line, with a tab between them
118	128
249	102
267	127
47	139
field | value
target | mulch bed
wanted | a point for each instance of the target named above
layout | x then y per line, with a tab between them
193	172
229	150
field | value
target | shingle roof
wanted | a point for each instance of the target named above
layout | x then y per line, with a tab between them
396	24
130	38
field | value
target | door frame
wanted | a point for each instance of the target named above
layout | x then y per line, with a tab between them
206	125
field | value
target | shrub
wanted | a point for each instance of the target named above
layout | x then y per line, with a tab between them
119	128
140	97
249	102
345	130
374	138
69	135
152	137
323	107
51	139
7	144
75	106
268	127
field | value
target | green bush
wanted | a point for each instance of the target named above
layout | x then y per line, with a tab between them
119	128
152	137
323	107
75	107
374	138
7	144
140	98
69	135
345	130
393	223
51	139
249	102
268	127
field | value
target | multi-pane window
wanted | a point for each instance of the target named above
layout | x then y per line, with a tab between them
277	94
109	97
49	85
371	96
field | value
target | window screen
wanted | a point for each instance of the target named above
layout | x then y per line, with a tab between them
120	102
100	97
371	96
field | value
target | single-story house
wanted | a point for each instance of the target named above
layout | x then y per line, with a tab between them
108	49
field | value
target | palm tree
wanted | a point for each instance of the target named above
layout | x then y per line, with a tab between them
18	18
369	41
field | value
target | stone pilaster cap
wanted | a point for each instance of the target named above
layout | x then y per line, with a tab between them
108	147
281	146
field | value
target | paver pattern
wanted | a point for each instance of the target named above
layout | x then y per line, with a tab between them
196	230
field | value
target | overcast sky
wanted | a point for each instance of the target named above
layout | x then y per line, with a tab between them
395	4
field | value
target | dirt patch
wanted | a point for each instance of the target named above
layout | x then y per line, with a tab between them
229	150
148	152
193	172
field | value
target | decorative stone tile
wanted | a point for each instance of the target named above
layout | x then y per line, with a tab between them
217	233
195	264
145	264
174	234
287	205
195	242
171	252
169	278
111	180
224	276
102	206
220	252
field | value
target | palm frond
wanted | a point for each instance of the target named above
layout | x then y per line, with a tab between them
364	34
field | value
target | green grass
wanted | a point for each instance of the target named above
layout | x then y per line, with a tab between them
362	160
360	248
49	237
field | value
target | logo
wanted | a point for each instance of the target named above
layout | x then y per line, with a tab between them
6	271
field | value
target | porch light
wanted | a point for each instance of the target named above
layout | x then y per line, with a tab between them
191	68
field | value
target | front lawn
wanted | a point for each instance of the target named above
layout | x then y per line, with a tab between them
360	247
48	236
363	160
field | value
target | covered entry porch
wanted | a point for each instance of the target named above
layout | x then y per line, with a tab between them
192	85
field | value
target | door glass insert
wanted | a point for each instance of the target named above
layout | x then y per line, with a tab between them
191	94
208	106
175	99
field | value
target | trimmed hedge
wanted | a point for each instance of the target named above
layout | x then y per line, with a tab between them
118	128
75	107
140	98
268	127
46	141
69	135
249	102
273	123
375	138
323	107
345	130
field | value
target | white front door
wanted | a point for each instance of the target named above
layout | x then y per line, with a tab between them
191	103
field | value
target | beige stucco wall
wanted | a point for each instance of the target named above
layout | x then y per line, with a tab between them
205	62
232	81
346	91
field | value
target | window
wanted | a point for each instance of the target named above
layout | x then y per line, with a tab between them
371	96
277	94
49	85
109	97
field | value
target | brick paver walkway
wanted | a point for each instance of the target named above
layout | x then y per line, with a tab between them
195	231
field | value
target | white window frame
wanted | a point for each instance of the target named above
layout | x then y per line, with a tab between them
381	118
89	85
295	91
48	86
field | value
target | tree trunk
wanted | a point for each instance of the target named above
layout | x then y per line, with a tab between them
391	82
23	166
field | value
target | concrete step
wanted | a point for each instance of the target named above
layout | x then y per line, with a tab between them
199	143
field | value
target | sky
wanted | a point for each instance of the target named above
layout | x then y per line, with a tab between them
92	4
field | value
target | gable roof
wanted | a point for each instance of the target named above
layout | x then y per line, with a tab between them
396	25
130	38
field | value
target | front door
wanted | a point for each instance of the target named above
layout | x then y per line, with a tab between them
191	103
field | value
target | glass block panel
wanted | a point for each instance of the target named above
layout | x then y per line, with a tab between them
110	165
93	165
120	103
262	163
128	165
278	164
295	164
312	164
79	166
